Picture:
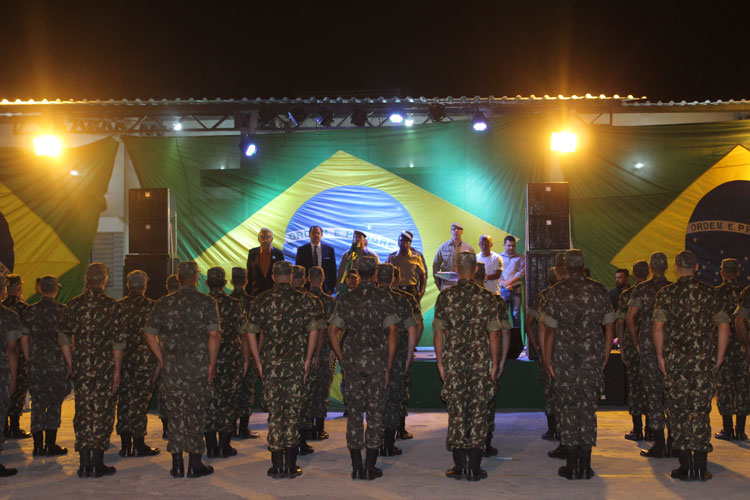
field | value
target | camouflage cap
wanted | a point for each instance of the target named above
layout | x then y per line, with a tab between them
239	274
316	273
407	235
640	269
466	259
574	259
13	280
48	284
216	274
366	264
730	266
298	272
686	259
96	272
188	267
137	279
282	268
659	261
385	272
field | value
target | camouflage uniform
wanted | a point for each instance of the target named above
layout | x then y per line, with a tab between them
308	393
10	326
643	297
18	398
467	313
636	392
88	322
690	311
324	375
246	394
367	314
733	387
183	320
547	381
48	373
576	308
285	317
417	309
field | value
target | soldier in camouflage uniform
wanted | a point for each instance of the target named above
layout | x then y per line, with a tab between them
466	316
685	318
10	326
636	394
87	325
369	316
638	321
16	302
289	325
573	313
49	379
733	387
323	366
222	408
401	432
172	284
407	341
246	396
138	370
187	325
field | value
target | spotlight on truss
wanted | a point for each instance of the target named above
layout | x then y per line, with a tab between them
359	117
47	145
396	117
247	146
436	112
479	122
177	126
296	116
324	117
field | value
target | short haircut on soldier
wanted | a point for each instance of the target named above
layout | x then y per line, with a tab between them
627	273
316	274
509	238
366	274
187	276
48	286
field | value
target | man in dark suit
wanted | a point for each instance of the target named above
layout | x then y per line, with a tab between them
260	261
317	253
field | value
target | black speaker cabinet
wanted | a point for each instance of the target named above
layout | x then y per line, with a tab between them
548	199
547	232
157	266
547	216
149	220
537	265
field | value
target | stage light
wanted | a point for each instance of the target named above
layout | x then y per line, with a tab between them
639	165
396	117
408	122
359	117
296	116
479	122
436	112
248	146
266	116
563	142
177	126
47	145
74	173
324	117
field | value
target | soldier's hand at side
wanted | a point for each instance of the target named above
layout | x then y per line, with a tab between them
441	371
662	365
245	366
550	370
211	373
493	372
116	379
307	371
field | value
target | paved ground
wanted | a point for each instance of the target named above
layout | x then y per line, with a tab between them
621	473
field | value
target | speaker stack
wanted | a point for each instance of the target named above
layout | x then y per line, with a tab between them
151	237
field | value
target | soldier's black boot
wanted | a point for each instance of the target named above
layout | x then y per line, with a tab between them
164	426
358	468
568	471
389	444
212	445
126	449
51	447
685	471
700	463
225	446
460	465
658	449
39	444
291	469
637	433
320	427
277	465
739	430
312	432
304	448
242	430
584	464
551	428
15	428
475	471
141	449
7	472
489	450
402	432
196	468
178	465
84	468
727	432
648	434
558	452
97	464
371	458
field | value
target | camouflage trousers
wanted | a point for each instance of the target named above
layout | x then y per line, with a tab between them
18	398
577	391
636	393
653	387
324	378
95	412
282	398
733	385
186	397
308	394
4	399
395	393
48	386
548	389
221	414
688	395
466	393
365	392
160	397
246	397
492	408
133	398
407	394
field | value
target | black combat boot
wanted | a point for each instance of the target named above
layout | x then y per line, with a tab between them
126	449
389	444
84	468
97	464
584	464
648	434
7	472
242	430
225	447
371	458
291	469
685	471
726	433
551	428
658	450
39	450
212	445
164	426
321	429
637	433
460	465
700	464
15	428
141	449
475	471
178	465
51	447
739	429
276	470
358	468
312	432
196	468
489	450
402	433
558	452
304	448
568	471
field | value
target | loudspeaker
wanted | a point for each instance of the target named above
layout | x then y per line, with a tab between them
149	216
537	265
614	382
157	266
548	199
547	212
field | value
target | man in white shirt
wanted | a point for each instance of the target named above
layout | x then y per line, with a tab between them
511	280
493	264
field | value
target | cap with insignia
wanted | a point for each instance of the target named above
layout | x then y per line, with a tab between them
407	235
686	259
574	259
282	268
659	261
385	272
357	232
457	225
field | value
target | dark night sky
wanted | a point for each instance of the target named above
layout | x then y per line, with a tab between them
114	49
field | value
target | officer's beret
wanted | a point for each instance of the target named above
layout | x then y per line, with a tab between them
574	259
640	269
480	273
298	272
316	273
686	259
96	272
172	282
14	280
366	264
730	266
137	279
466	259
187	268
407	235
659	261
48	284
282	268
457	225
239	274
385	272
216	274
